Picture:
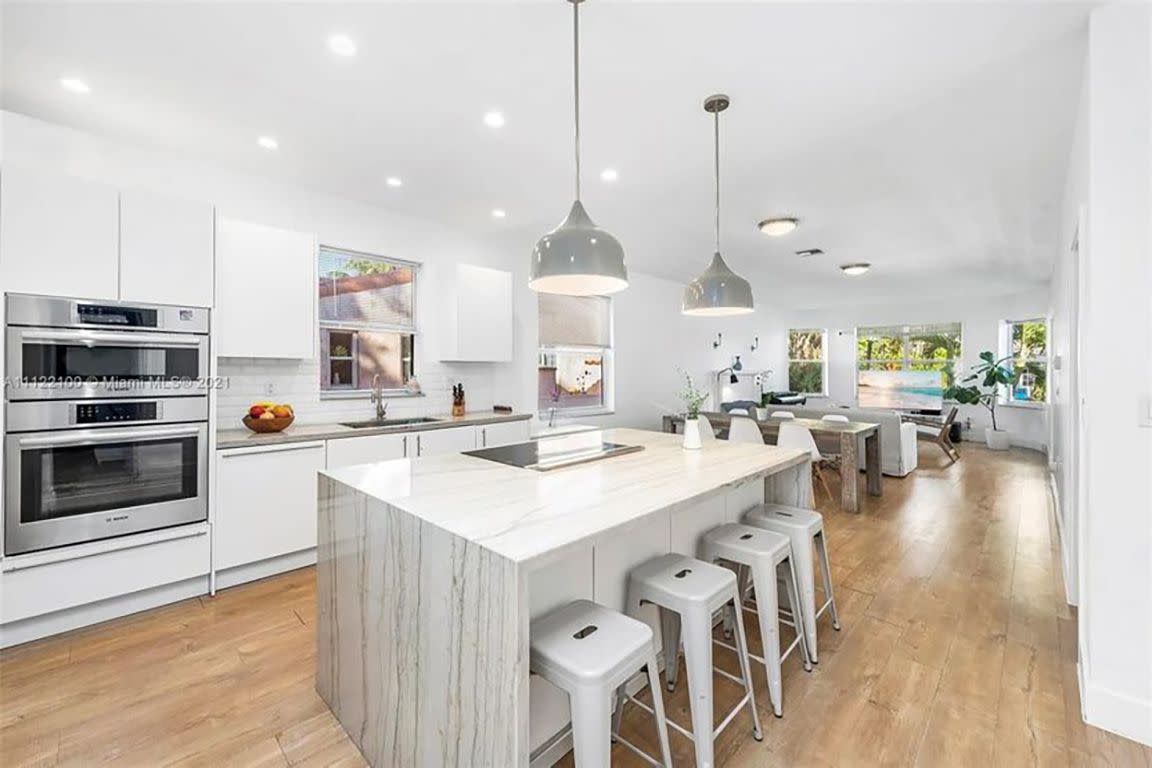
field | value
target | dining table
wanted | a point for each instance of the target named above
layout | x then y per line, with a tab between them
845	433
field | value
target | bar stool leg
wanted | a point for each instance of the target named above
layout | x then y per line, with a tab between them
822	551
768	613
793	593
697	632
658	706
618	713
745	670
806	584
670	637
591	727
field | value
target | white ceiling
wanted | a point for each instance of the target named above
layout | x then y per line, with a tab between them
928	139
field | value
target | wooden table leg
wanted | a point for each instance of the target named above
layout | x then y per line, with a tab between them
849	468
872	463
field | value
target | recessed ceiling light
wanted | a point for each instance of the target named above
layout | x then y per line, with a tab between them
342	45
268	142
609	175
810	252
74	84
498	213
779	225
494	119
393	181
855	269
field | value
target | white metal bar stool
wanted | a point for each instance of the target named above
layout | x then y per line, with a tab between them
805	528
688	591
590	652
767	555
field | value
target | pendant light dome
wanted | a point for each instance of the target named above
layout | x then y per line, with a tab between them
578	258
719	291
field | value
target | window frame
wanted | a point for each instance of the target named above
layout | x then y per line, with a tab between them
1005	350
412	329
823	360
906	361
607	370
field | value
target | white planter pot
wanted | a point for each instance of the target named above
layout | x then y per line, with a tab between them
997	439
691	434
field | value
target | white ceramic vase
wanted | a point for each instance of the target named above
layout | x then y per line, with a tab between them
691	434
997	439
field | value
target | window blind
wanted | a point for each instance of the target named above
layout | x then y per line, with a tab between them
575	321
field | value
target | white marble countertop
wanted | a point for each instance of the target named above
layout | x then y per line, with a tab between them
522	514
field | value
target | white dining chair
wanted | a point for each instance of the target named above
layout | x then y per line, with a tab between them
837	417
745	430
800	437
707	434
782	415
738	412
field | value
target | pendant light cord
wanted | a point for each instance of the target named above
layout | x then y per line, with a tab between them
716	135
576	84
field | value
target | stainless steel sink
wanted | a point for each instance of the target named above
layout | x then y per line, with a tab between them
388	422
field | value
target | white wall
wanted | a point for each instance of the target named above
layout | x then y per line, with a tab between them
337	222
980	320
1110	179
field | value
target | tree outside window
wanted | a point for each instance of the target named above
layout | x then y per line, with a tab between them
935	347
1026	342
806	362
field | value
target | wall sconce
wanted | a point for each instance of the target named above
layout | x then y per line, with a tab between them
719	340
755	343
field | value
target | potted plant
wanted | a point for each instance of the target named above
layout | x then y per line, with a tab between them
991	375
693	399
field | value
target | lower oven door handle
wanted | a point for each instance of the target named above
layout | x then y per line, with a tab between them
108	436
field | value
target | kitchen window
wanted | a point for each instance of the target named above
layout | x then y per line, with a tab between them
807	365
934	347
1026	342
367	311
574	361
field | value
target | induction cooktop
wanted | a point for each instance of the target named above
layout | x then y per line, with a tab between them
554	453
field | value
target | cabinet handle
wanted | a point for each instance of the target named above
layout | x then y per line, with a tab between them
419	446
405	446
484	437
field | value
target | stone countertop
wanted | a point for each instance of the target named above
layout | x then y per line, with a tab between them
524	514
299	433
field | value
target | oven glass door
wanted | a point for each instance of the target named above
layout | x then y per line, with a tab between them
84	485
105	362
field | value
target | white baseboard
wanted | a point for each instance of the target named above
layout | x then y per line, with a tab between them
1115	712
36	627
241	574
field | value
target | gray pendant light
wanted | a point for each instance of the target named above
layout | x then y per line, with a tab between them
719	291
578	258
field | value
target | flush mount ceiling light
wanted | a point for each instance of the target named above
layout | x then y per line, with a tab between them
498	213
268	142
393	181
855	269
779	225
719	291
578	258
810	252
74	84
609	175
494	119
342	45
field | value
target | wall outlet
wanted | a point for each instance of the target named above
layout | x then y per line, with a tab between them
269	388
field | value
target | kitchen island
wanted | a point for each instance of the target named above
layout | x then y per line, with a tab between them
430	570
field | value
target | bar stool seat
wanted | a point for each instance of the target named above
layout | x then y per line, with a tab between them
767	555
591	652
687	592
805	529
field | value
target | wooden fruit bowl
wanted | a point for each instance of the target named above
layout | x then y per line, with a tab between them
268	425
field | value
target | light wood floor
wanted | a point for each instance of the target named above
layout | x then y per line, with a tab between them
956	650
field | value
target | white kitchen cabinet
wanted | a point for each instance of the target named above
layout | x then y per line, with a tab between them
58	235
165	249
449	440
503	433
265	502
477	320
265	291
348	451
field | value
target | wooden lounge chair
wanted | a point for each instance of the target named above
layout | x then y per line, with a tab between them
943	430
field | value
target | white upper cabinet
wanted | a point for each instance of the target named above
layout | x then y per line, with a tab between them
58	235
265	291
477	322
165	249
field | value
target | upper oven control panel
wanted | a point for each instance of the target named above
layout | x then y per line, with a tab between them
60	312
110	413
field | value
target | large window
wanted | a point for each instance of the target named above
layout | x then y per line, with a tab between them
1026	342
367	310
806	362
910	348
575	356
